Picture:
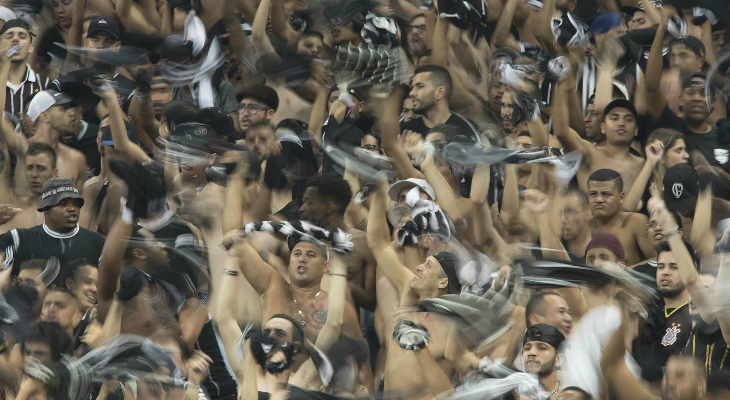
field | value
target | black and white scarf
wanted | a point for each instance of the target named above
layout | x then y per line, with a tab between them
301	230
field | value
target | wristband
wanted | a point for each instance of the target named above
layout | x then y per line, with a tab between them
344	275
230	272
346	98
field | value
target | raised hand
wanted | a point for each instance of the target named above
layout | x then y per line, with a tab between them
654	152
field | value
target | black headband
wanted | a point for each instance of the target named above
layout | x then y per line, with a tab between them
16	23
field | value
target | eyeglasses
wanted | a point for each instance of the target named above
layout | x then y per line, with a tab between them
252	109
371	147
417	28
339	21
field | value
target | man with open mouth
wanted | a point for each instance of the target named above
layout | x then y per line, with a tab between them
59	236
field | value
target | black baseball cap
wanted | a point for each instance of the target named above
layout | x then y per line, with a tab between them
681	187
195	130
543	333
630	10
220	120
103	24
691	43
357	92
16	23
108	139
57	189
621	103
262	93
691	79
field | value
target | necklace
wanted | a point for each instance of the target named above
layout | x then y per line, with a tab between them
554	391
299	309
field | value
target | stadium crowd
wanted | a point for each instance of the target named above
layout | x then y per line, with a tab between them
377	199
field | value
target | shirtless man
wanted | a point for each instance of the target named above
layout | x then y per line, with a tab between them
605	196
303	299
325	201
618	125
433	278
40	165
52	115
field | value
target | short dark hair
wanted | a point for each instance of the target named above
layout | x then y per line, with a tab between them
36	148
663	247
313	33
584	394
62	289
537	305
574	191
71	269
178	112
297	334
50	333
35	263
608	175
439	77
332	187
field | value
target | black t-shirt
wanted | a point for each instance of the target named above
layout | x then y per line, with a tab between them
707	344
716	153
466	126
176	234
649	269
125	90
664	333
40	242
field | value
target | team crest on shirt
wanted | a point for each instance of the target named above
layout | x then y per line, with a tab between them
722	156
671	336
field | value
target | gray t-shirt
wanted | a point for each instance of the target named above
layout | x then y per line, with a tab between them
225	98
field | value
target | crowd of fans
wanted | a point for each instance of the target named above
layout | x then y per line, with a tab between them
324	199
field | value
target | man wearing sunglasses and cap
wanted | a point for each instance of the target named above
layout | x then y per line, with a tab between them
59	236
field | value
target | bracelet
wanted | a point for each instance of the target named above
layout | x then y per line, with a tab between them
230	272
345	275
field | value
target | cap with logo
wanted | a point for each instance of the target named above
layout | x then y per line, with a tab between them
681	186
219	119
108	139
57	189
44	100
543	333
103	24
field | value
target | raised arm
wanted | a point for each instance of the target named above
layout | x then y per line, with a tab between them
390	130
502	36
569	139
261	40
133	19
625	386
658	102
654	153
484	233
257	272
702	237
76	31
111	265
721	295
119	129
446	197
226	317
687	271
379	242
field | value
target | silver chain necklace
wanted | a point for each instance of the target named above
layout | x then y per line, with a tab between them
554	391
299	309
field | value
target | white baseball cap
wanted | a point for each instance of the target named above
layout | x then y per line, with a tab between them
7	14
397	187
45	100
